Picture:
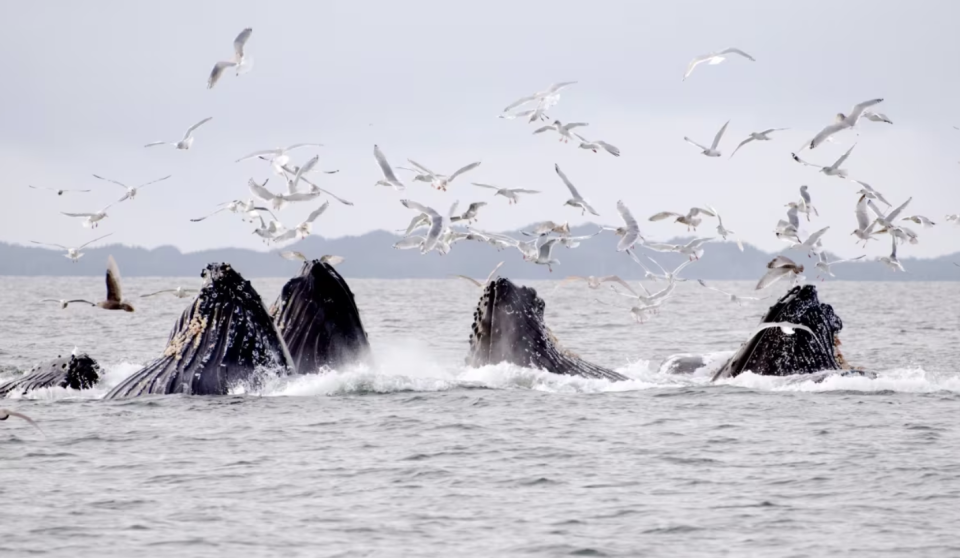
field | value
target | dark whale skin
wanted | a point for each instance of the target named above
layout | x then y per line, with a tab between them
773	353
508	326
224	338
74	372
319	320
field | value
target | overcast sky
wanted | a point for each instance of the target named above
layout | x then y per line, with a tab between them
87	84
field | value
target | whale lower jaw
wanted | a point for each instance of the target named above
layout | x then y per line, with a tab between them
773	353
74	372
508	326
319	320
225	339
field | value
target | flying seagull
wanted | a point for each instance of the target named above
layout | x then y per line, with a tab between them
238	59
59	191
73	253
711	151
843	121
131	192
713	59
187	140
577	200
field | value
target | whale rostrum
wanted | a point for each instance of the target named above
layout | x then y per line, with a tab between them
319	320
73	371
774	353
225	338
508	326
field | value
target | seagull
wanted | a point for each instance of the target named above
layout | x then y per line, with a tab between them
438	223
278	155
629	233
733	297
131	192
91	219
286	172
787	230
268	231
470	215
824	266
723	231
712	150
544	255
876	117
597	282
954	218
713	59
389	178
60	191
509	193
64	303
73	253
870	193
669	276
304	229
551	92
832	170
888	220
478	283
562	129
920	220
574	241
892	261
757	136
843	122
595	146
778	268
238	58
805	204
810	245
864	230
690	219
692	249
7	413
235	206
548	227
279	200
439	181
577	200
187	140
179	292
409	242
293	256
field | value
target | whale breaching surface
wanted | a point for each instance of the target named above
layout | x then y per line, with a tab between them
74	372
225	338
319	320
508	327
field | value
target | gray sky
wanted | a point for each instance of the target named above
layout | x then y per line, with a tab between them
87	84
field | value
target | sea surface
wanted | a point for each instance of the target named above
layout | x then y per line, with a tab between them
419	455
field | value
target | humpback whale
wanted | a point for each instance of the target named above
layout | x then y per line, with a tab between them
73	371
221	340
508	327
319	320
770	352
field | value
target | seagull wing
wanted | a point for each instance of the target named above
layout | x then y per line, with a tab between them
858	109
78	214
843	157
293	255
611	149
385	166
260	191
82	246
56	245
317	212
732	50
793	217
158	292
155	143
521	101
772	276
260	153
471	279
113	281
661	247
863	219
542	129
694	63
702	284
664	215
848	260
469	167
485	186
523	191
573	190
815	237
802	162
301	196
621	282
742	143
217	71
422	168
716	139
121	184
781	261
240	41
691	142
307	167
826	133
289	235
329	193
493	273
896	212
572	125
195	126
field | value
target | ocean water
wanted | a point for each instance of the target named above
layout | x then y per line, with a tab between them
418	455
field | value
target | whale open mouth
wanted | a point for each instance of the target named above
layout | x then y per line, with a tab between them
73	372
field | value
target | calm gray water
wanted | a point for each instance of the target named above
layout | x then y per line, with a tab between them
420	456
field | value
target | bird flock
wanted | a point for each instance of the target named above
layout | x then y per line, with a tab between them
439	230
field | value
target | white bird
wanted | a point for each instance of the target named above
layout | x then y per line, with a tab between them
409	242
629	233
824	266
711	151
865	225
544	255
239	60
732	297
757	136
179	292
669	276
574	241
478	283
870	192
234	206
64	303
278	155
509	193
832	170
692	249
438	223
955	218
562	129
597	145
892	261
73	253
91	219
187	140
843	122
596	282
440	181
59	191
6	413
548	227
268	231
713	59
876	117
577	200
470	215
280	200
551	92
286	173
690	219
920	220
778	268
131	192
888	220
304	229
811	244
804	205
723	231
